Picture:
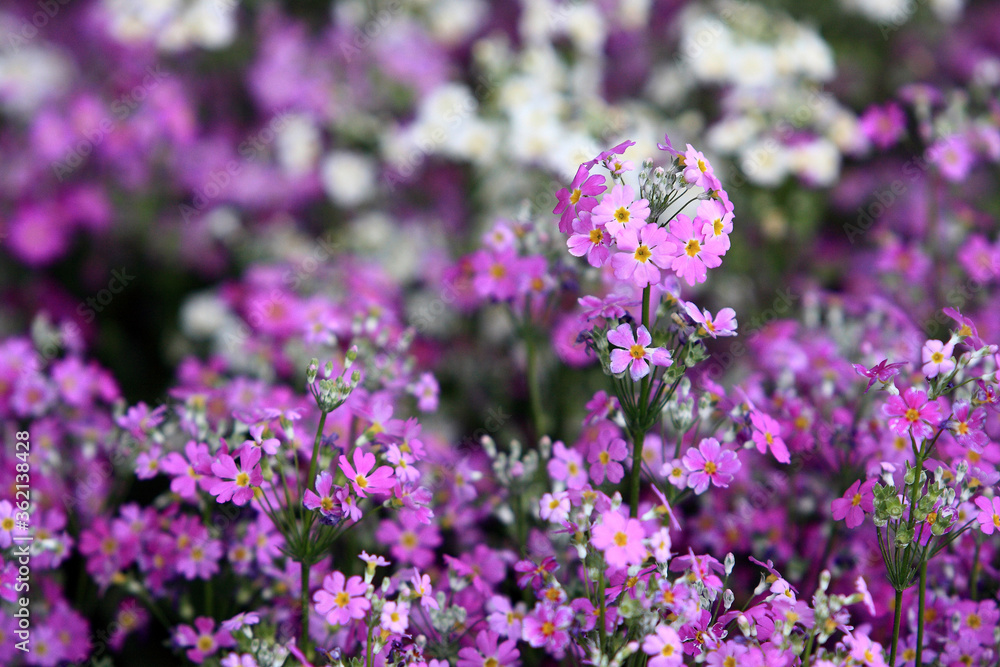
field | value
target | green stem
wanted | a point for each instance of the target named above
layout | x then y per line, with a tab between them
311	480
809	648
304	601
920	611
601	623
897	616
534	390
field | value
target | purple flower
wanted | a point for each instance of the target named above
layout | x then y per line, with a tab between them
635	352
857	500
880	372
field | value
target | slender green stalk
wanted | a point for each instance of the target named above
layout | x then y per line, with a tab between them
897	616
809	649
920	611
311	479
304	601
534	388
638	431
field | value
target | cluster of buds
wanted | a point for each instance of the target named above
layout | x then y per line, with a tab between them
329	393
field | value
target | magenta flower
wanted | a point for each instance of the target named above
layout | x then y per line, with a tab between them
579	196
395	617
967	426
635	353
619	211
621	540
667	146
937	358
554	507
203	639
989	517
548	627
716	219
363	478
590	239
883	125
611	306
912	413
857	500
495	273
566	465
237	483
269	445
953	157
341	599
709	463
880	371
697	170
190	473
642	250
694	254
422	589
489	651
606	454
767	435
322	499
723	324
664	646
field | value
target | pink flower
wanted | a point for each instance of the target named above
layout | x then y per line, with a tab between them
611	306
269	445
189	473
619	211
709	463
912	413
967	426
237	484
548	627
880	371
578	197
490	652
554	507
724	324
676	473
341	599
495	273
937	358
694	254
664	646
953	157
716	219
606	453
203	639
857	500
635	352
395	617
989	517
323	500
589	239
621	540
363	478
566	465
411	541
642	250
697	170
883	125
767	435
422	589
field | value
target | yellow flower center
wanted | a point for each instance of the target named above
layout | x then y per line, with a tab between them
361	481
491	662
912	415
342	599
963	428
637	351
205	643
693	247
553	504
622	215
596	236
409	539
7	524
717	228
242	479
668	650
498	271
548	629
575	197
604	458
730	661
621	539
326	503
856	500
937	357
710	467
642	253
965	331
702	166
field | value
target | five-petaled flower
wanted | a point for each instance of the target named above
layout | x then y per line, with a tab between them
937	358
882	371
621	540
619	210
709	463
723	324
641	251
635	353
237	483
912	413
341	599
989	517
857	500
664	647
363	478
